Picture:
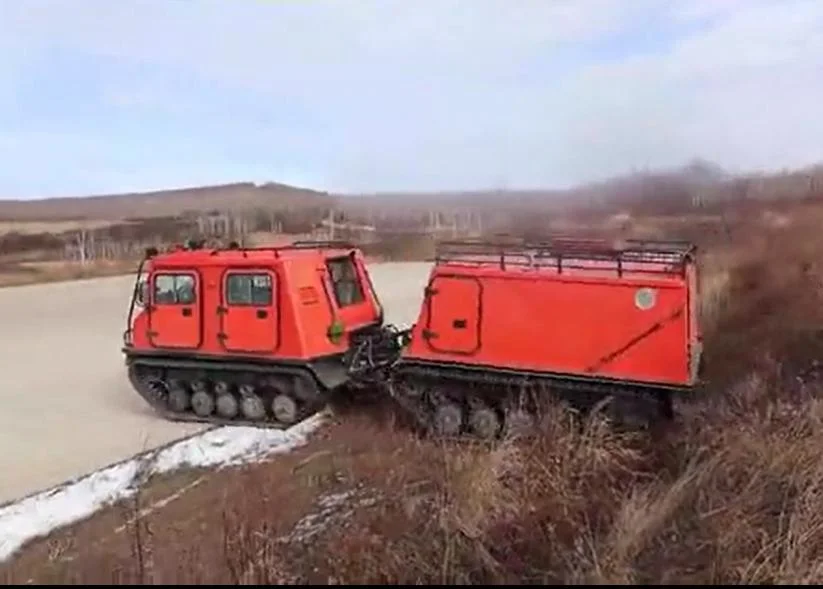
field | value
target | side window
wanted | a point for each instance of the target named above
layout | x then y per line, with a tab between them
174	289
249	289
142	294
344	281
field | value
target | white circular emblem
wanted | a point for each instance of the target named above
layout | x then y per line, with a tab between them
645	298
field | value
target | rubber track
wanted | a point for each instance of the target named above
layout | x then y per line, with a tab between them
593	389
148	395
376	351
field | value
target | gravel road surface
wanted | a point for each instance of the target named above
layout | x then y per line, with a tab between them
67	406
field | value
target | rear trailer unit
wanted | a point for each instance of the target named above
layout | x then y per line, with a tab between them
502	325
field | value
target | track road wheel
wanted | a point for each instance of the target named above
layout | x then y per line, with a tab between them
252	408
447	419
666	407
202	403
635	412
484	423
519	422
179	400
227	406
157	390
284	409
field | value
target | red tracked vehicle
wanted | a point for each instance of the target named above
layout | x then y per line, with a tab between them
254	336
502	324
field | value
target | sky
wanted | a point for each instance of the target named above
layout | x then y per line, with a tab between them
384	95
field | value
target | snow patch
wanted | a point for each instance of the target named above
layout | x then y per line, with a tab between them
332	509
40	514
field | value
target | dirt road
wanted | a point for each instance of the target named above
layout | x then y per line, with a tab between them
67	407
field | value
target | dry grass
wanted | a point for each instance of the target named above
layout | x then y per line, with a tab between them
730	494
54	227
24	273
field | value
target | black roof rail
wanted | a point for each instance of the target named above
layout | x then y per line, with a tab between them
322	244
234	246
566	245
563	250
297	245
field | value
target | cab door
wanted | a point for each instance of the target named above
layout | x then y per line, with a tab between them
249	321
175	312
453	322
347	288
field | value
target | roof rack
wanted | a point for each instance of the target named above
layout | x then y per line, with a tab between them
563	253
277	249
321	244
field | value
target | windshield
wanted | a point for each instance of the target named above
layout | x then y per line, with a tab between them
137	303
141	295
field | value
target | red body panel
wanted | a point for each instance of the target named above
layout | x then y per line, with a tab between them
283	311
585	319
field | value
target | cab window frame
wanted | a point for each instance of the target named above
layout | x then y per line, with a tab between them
346	265
228	292
177	289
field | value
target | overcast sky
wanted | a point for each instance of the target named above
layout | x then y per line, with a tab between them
359	95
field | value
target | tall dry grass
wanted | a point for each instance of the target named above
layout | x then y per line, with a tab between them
728	498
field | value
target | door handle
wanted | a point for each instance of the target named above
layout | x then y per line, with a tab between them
459	324
262	313
186	312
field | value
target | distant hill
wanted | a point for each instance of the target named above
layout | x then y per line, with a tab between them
662	188
695	173
243	195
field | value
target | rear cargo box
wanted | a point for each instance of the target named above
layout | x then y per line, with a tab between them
566	307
